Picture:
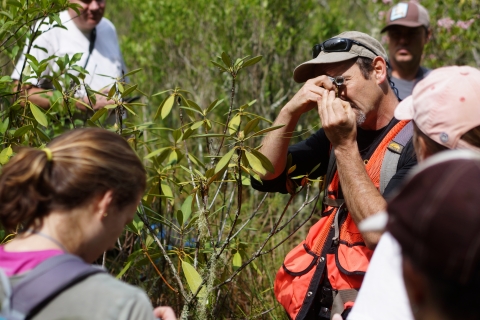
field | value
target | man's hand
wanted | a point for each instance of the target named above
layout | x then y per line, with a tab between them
164	313
338	120
306	98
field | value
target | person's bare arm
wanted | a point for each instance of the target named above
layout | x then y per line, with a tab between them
40	100
361	196
275	144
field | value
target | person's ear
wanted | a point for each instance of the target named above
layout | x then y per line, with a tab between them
379	69
103	204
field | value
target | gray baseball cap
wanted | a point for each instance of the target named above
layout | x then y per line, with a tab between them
305	71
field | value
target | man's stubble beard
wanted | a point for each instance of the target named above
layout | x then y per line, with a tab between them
361	117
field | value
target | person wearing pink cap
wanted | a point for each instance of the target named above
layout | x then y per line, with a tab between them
408	31
446	115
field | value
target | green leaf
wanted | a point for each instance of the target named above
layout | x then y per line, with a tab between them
98	114
129	90
252	124
292	168
255	163
42	134
167	191
132	72
213	105
196	125
237	260
173	158
224	160
120	87
264	160
159	93
180	217
23	130
5	155
194	106
234	123
266	130
111	92
76	57
226	59
187	208
156	152
4	125
57	85
315	168
251	62
167	106
219	66
39	115
193	279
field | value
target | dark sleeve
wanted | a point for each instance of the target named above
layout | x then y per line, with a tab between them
406	162
305	155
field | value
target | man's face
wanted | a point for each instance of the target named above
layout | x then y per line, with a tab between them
405	45
91	12
361	93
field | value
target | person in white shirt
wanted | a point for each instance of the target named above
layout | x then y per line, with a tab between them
88	33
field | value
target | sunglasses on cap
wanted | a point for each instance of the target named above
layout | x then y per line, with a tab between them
337	45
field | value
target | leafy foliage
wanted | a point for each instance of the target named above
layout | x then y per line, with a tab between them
202	240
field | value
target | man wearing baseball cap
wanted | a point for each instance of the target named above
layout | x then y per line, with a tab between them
408	30
446	114
347	83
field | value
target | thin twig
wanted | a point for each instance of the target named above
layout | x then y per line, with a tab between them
144	219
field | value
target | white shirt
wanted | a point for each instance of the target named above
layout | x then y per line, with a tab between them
105	59
382	294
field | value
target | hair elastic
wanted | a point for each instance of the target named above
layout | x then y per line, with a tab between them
49	154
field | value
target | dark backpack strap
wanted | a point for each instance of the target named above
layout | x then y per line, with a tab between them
392	155
46	281
331	169
93	37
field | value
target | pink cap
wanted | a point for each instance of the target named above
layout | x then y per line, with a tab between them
445	105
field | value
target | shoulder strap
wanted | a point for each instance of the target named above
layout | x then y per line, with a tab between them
45	282
93	37
331	169
392	155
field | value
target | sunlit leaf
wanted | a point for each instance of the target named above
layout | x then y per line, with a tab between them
237	261
224	160
252	124
264	160
266	130
167	106
193	279
255	163
5	155
187	208
233	124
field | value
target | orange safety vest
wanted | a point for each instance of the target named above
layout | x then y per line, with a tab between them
299	277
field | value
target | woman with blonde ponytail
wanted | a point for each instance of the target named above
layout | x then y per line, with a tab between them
74	197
